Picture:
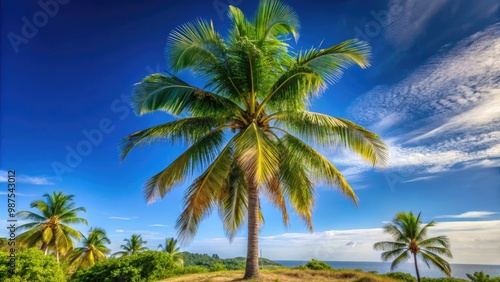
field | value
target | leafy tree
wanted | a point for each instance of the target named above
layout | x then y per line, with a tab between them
172	249
94	249
132	246
410	240
51	227
31	265
249	129
406	277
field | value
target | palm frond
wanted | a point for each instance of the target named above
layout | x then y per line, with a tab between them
257	154
274	18
431	258
181	131
321	129
203	193
319	166
199	155
171	94
233	201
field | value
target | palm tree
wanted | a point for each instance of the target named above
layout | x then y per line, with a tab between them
172	249
132	246
410	240
50	228
249	131
94	249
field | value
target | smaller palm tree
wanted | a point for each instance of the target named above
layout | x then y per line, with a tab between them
172	249
94	249
132	246
50	228
410	238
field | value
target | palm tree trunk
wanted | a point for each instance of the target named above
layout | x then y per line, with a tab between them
44	248
57	253
416	267
252	264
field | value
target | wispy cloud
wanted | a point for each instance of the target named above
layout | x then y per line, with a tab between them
158	225
35	180
471	242
470	214
423	178
407	19
450	109
122	218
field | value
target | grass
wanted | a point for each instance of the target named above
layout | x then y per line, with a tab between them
285	274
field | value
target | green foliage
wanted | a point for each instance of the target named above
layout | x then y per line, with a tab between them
406	277
31	265
208	261
218	267
190	270
141	267
481	277
443	279
318	265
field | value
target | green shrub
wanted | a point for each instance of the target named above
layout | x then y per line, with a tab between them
218	267
142	267
481	277
317	265
31	265
442	279
406	277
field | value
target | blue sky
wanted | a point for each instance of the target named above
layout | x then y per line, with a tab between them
432	93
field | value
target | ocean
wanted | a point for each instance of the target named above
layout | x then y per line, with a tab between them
457	270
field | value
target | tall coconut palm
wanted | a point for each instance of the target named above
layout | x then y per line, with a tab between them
50	228
410	241
172	249
248	129
132	246
94	249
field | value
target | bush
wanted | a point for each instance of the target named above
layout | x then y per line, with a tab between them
31	265
442	279
317	265
218	267
401	276
481	277
142	267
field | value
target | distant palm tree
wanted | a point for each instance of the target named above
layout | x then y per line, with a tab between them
132	246
94	249
172	249
410	239
249	129
50	228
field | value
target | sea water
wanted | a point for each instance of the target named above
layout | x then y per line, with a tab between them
457	270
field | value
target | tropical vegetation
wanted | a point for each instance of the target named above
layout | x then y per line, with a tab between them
249	130
50	227
132	246
94	249
172	249
410	241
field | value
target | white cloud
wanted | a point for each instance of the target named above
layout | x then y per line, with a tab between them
407	19
450	107
158	225
35	180
471	242
469	214
122	218
420	179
